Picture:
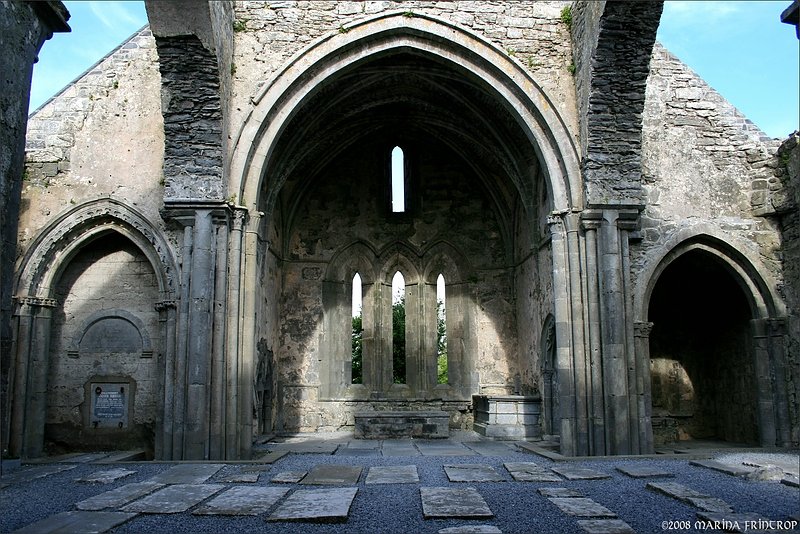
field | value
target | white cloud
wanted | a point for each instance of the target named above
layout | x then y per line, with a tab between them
113	14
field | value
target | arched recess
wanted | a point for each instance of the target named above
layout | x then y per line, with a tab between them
43	266
726	362
550	392
333	55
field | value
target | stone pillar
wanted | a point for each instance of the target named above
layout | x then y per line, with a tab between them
167	317
643	393
564	335
24	27
34	319
232	342
247	335
591	222
767	427
776	330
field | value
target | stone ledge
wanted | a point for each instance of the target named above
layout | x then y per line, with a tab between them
402	424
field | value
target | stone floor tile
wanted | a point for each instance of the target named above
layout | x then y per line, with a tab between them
118	496
710	504
735	522
237	478
579	473
445	448
243	500
320	505
690	496
173	499
721	467
305	447
791	481
399	447
643	471
605	526
187	474
453	503
271	457
106	477
581	507
289	477
29	473
345	451
374	444
341	475
78	457
530	472
472	529
490	448
392	474
77	522
472	473
559	492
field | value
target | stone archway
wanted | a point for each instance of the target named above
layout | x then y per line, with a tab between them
713	338
60	259
470	121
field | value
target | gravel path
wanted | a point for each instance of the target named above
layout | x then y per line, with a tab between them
397	508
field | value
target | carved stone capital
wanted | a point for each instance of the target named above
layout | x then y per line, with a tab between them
165	304
42	302
642	329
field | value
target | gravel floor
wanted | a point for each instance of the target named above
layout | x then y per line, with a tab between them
517	506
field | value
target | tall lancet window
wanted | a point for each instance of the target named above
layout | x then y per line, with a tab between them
441	331
356	363
398	329
398	181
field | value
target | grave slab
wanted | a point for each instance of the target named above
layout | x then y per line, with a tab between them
581	507
341	475
472	529
237	478
721	467
791	481
106	477
472	473
530	472
399	447
271	457
560	492
119	496
643	471
318	505
605	526
289	477
173	499
393	474
29	473
685	494
447	448
579	473
490	448
77	522
346	451
242	500
187	474
438	503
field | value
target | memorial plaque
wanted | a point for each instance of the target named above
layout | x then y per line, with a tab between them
110	404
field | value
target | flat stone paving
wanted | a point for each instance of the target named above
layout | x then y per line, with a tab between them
579	473
237	478
188	474
530	472
472	529
119	496
472	473
340	475
445	503
392	474
77	522
559	492
581	507
722	468
242	500
328	504
643	471
106	477
605	526
289	477
173	499
443	448
29	473
685	494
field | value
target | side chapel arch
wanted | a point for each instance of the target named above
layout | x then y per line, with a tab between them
42	267
765	310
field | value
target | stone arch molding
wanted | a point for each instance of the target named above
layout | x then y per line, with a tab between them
287	92
757	284
74	348
58	243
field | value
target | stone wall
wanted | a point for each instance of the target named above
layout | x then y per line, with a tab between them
102	136
269	33
24	27
105	327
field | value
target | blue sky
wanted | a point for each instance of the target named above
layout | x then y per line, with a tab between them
740	48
